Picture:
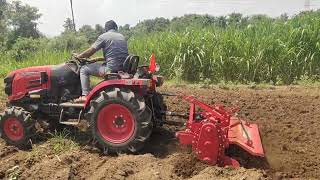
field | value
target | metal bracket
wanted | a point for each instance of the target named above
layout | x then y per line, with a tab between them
70	122
168	94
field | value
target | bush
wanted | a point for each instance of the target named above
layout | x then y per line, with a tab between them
39	58
68	42
2	44
23	47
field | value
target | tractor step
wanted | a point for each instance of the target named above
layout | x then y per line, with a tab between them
72	104
70	122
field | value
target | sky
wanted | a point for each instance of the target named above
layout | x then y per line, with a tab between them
54	12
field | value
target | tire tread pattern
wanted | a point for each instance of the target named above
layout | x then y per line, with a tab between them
143	116
28	124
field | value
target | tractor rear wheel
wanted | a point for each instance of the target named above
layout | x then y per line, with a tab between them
17	127
120	121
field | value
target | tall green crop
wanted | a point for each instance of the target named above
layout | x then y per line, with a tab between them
42	57
264	51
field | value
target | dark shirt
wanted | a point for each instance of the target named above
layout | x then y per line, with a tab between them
114	47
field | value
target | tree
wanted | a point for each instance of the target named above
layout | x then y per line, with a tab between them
221	21
150	25
234	18
3	18
99	29
89	33
126	27
3	5
3	24
21	22
68	26
191	20
284	17
125	30
260	18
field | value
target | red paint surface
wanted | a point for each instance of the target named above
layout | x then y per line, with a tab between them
13	129
22	81
108	127
212	135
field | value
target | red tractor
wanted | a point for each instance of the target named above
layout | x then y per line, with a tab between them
122	110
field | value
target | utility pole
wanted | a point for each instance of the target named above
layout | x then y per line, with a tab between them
74	24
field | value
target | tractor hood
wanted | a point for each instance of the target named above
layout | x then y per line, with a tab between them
19	82
55	80
29	69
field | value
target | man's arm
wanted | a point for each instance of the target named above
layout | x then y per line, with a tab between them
98	59
97	45
87	53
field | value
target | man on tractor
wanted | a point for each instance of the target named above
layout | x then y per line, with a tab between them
115	51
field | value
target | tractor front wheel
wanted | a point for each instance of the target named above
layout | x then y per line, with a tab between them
120	121
17	127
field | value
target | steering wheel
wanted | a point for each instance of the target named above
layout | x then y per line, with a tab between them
81	61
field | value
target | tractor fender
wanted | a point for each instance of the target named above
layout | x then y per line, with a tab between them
140	86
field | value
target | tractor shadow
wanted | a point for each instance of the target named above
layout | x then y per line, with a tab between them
247	160
162	142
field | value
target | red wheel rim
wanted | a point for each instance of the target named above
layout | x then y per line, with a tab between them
13	129
115	123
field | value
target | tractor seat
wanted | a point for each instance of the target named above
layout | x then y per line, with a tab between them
130	66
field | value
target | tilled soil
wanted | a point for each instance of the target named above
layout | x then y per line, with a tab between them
287	117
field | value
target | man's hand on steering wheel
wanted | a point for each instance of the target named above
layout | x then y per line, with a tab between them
82	61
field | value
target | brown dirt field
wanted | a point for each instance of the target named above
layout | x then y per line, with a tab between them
288	119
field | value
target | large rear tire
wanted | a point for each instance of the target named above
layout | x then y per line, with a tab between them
120	121
17	127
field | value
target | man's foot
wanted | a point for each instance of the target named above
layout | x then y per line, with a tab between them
81	99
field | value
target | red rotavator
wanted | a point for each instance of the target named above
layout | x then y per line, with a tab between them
123	109
212	131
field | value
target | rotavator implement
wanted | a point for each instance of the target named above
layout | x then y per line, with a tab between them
123	109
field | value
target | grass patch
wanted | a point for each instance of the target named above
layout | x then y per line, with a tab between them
308	82
62	142
13	173
2	94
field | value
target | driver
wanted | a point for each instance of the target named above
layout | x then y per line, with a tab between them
115	51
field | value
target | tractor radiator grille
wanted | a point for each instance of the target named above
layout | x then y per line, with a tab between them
8	85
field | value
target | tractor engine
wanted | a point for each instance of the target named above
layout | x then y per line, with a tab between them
32	85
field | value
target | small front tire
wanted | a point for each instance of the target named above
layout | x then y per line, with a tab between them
17	127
